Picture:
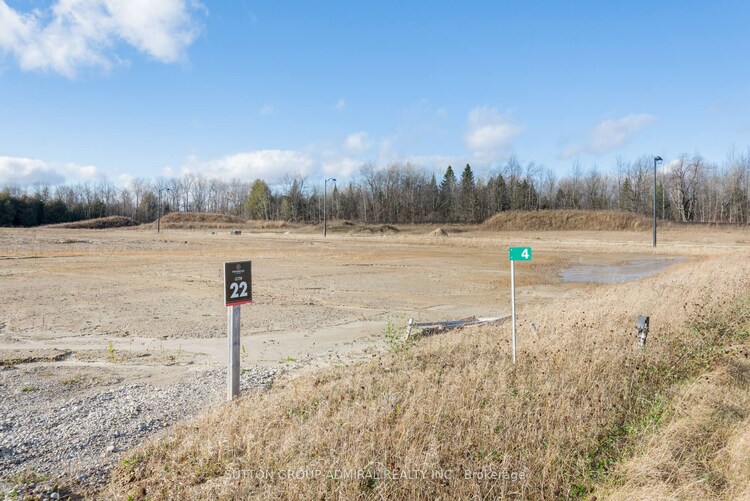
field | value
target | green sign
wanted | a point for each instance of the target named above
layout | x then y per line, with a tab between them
520	253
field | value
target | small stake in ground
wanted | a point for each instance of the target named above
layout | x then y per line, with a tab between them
516	254
238	290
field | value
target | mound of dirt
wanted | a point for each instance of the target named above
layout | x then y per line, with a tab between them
199	220
383	228
438	233
200	217
99	223
551	220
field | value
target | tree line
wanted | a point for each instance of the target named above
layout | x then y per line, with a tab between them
688	189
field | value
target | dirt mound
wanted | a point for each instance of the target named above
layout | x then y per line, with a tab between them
382	228
200	217
267	225
99	223
550	220
439	232
200	220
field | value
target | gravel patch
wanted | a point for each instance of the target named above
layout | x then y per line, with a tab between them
54	438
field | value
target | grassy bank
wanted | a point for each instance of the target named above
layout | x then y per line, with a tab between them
450	417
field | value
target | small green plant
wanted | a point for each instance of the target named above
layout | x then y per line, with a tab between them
289	359
394	341
111	350
132	460
28	388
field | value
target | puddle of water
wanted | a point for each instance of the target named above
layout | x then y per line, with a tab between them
616	273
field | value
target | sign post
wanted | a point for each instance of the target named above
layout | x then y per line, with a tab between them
238	290
516	254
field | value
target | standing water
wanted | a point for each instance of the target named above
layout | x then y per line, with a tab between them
617	273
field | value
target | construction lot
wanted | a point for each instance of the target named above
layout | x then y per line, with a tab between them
85	312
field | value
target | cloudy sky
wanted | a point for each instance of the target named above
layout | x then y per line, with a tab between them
248	89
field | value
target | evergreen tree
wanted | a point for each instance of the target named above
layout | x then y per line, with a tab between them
627	196
468	196
447	193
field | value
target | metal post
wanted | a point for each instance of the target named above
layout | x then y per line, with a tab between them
654	202
656	161
325	219
158	214
513	305
325	196
233	332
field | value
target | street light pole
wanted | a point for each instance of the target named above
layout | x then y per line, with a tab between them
657	160
158	211
325	212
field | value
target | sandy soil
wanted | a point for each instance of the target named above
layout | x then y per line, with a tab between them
158	298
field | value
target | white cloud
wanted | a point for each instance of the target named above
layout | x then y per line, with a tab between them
267	109
357	142
490	133
75	34
21	171
340	167
269	165
341	104
610	135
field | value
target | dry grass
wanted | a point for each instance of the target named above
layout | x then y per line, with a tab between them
551	220
199	220
213	221
98	224
696	445
449	406
351	228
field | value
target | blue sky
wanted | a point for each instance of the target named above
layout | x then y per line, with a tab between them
247	89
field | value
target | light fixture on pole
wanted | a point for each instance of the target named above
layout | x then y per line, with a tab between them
657	160
325	212
158	210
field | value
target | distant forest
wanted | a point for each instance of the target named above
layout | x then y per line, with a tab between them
690	189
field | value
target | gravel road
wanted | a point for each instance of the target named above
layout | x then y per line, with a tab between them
58	439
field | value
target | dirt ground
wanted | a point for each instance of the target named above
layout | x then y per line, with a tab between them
148	307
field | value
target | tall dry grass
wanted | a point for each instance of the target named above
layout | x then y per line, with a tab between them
100	223
696	443
212	221
552	220
452	413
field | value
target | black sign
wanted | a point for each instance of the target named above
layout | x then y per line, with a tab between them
238	283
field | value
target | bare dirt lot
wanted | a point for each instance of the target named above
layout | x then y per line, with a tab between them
88	315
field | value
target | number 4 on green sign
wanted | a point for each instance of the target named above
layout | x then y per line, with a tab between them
520	253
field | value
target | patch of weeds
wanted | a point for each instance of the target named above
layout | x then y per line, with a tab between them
28	388
132	460
73	380
111	351
288	359
579	491
29	477
394	340
297	411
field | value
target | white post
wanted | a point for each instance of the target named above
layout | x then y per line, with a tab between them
233	331
513	305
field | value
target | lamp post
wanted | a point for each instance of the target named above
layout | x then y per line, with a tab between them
158	210
657	160
325	212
